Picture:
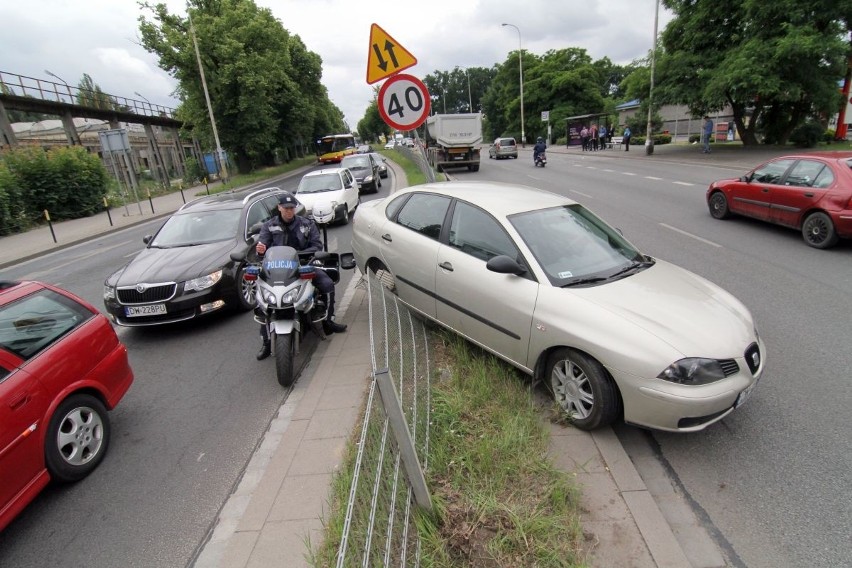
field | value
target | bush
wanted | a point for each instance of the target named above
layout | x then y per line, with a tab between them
68	182
828	137
194	171
807	135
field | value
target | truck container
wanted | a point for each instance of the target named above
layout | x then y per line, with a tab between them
452	140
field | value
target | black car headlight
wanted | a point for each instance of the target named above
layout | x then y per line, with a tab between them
203	282
693	371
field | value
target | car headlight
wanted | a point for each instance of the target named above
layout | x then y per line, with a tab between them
693	371
368	179
203	282
109	292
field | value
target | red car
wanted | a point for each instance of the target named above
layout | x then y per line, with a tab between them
62	367
809	192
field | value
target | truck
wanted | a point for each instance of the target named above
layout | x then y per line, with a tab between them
452	140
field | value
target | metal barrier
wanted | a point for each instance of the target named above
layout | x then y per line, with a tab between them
379	528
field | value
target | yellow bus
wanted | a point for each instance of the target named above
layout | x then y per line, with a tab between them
332	148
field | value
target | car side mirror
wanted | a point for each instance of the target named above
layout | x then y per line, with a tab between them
255	229
347	260
502	264
147	239
238	256
745	179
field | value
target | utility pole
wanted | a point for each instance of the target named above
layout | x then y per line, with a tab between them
219	152
649	140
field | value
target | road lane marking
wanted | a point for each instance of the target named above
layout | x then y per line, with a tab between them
628	174
683	183
581	193
696	237
654	178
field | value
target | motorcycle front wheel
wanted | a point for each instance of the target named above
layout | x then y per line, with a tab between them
285	357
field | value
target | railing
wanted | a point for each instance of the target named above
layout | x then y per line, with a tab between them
23	86
379	528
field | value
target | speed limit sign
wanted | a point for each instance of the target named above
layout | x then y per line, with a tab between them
404	102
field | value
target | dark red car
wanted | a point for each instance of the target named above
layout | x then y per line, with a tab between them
62	367
809	192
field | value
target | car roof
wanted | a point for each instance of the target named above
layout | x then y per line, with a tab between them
227	200
501	199
825	155
323	171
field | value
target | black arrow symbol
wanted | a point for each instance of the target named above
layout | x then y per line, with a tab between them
383	65
389	48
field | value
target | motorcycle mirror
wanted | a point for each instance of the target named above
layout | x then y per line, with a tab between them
347	260
321	255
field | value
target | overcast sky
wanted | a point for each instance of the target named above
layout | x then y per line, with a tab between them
101	38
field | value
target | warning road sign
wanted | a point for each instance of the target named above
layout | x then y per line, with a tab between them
385	56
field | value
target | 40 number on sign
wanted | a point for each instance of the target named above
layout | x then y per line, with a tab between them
404	102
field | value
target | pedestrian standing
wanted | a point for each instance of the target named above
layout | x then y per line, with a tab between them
584	138
706	133
602	134
593	137
626	138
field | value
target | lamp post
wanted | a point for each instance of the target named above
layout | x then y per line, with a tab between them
469	98
138	94
57	77
521	79
444	98
649	141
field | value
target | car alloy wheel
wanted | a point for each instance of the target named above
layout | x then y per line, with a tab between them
582	389
77	438
719	206
818	231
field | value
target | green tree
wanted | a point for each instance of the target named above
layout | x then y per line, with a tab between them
91	95
264	85
774	63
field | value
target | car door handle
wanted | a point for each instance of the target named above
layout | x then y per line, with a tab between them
387	237
446	266
19	400
765	190
809	194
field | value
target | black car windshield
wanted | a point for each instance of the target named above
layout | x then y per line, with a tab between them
355	163
198	227
319	183
575	247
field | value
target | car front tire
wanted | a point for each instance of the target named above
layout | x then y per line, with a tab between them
77	438
718	205
246	295
582	388
818	231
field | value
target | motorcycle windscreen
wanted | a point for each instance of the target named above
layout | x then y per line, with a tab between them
280	265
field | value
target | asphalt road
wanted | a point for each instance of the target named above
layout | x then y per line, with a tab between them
771	481
181	436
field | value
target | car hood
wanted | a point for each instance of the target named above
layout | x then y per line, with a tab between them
692	315
154	265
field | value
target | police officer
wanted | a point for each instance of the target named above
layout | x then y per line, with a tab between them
539	148
289	229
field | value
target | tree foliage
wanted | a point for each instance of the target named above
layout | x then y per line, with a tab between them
90	94
264	85
775	63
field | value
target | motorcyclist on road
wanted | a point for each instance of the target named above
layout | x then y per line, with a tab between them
289	229
539	148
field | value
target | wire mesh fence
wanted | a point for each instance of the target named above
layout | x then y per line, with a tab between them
379	528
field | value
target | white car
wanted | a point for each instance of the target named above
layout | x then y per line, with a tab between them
390	145
336	186
540	281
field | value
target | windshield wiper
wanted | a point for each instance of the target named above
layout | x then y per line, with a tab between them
579	281
635	265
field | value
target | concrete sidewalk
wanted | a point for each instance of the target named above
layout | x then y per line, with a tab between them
278	507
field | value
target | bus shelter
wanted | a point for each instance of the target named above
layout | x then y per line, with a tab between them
574	124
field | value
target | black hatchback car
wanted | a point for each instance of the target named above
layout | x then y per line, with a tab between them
366	172
185	270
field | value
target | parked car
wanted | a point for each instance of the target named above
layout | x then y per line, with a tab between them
366	171
540	281
382	162
390	145
62	368
409	142
503	148
364	149
810	192
185	270
336	186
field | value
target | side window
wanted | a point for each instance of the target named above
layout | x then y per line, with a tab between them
350	181
824	179
478	234
394	206
4	372
805	173
34	323
257	213
771	172
424	213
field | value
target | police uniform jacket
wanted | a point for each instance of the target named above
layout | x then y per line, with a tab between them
301	234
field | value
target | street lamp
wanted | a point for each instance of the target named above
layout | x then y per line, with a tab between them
57	76
138	94
521	76
469	99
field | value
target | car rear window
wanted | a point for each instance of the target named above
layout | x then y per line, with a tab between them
35	322
506	141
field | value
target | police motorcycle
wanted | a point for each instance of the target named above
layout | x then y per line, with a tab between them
288	304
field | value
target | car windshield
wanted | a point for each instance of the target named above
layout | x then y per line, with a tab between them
355	163
319	183
198	227
574	247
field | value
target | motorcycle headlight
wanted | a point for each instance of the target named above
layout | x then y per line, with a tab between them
203	282
291	296
693	371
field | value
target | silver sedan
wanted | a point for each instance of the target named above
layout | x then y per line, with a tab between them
543	283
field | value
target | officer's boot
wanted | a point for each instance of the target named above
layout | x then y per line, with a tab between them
266	348
331	326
